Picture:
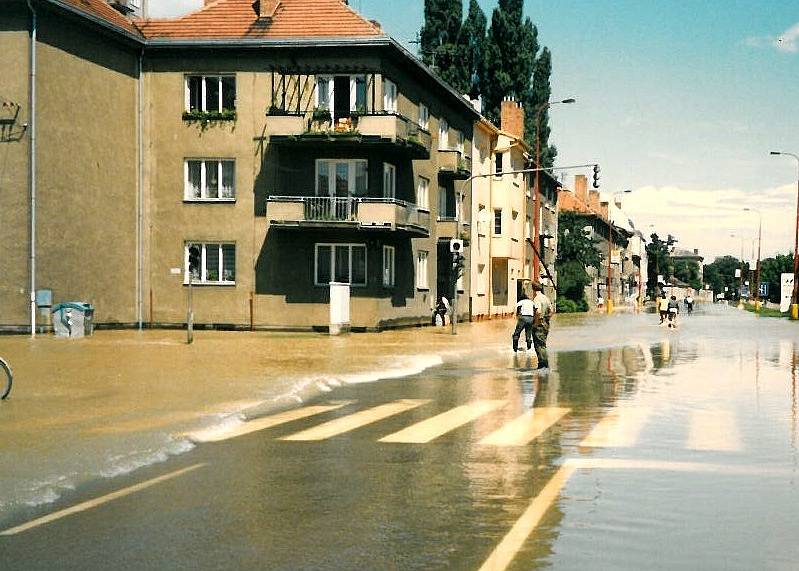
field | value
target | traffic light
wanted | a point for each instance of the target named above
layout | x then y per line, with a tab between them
596	176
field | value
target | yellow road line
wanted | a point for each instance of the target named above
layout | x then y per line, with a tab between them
619	429
713	430
510	545
353	421
217	434
97	501
526	428
432	428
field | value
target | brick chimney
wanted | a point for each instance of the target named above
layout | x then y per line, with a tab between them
512	117
266	8
581	188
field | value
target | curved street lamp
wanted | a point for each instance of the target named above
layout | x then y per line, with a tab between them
795	294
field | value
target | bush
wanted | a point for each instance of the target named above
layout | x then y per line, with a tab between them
564	305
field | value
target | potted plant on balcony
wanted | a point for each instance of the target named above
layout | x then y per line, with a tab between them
320	117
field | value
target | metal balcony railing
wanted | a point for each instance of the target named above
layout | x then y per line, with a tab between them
320	208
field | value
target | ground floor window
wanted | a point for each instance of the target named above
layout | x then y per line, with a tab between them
211	263
421	270
388	266
344	263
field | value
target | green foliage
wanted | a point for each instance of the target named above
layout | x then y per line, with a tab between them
442	24
539	96
576	251
564	305
470	51
689	272
721	274
203	118
658	262
770	270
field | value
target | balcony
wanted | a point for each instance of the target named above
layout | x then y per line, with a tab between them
358	213
506	247
453	165
394	132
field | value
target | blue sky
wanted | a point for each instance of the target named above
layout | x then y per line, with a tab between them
680	101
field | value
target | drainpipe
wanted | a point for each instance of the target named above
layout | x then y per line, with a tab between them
140	195
32	174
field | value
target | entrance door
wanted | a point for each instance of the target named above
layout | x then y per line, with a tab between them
499	279
341	99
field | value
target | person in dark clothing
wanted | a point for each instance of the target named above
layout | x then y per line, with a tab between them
674	309
525	310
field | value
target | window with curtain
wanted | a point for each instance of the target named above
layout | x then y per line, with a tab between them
344	263
210	262
209	179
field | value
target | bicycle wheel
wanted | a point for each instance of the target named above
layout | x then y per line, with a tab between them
5	379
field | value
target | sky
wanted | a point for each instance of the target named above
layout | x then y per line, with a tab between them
678	100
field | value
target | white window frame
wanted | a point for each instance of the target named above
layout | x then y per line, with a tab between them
389	180
460	141
333	246
423	193
204	90
443	135
424	116
203	278
389	96
352	173
422	259
188	189
389	267
497	218
331	90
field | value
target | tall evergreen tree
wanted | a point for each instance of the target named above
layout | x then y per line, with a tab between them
439	35
539	96
470	51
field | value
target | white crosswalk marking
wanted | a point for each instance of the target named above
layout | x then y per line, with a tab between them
619	429
526	428
432	428
713	430
357	420
217	434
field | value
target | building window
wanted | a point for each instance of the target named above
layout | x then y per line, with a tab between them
210	263
389	96
443	135
423	193
497	222
389	180
421	270
345	263
498	160
460	141
209	179
424	116
388	266
342	178
341	93
210	92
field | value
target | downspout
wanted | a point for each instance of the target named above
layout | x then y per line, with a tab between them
140	195
32	174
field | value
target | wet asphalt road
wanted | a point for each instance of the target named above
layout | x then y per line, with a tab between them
680	454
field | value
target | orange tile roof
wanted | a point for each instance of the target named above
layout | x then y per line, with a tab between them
102	10
238	19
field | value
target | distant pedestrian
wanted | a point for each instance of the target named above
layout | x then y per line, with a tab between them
543	314
663	307
440	311
525	311
689	304
600	302
673	310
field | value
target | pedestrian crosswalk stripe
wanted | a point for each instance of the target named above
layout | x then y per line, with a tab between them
713	430
431	428
356	420
618	429
216	434
525	428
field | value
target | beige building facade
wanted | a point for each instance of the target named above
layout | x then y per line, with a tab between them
252	171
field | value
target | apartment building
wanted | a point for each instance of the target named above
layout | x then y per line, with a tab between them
257	151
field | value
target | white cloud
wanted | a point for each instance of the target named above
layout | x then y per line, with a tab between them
789	40
704	219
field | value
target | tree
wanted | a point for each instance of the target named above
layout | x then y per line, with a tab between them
470	51
770	270
539	97
658	262
721	274
577	250
688	271
442	24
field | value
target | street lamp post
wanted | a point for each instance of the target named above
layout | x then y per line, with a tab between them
795	294
609	304
537	194
757	264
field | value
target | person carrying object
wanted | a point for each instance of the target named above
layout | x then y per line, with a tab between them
543	313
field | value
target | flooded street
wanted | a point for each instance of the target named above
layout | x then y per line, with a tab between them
641	448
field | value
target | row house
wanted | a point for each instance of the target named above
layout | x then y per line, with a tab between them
255	151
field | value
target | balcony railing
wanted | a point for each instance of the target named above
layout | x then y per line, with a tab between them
453	164
361	212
